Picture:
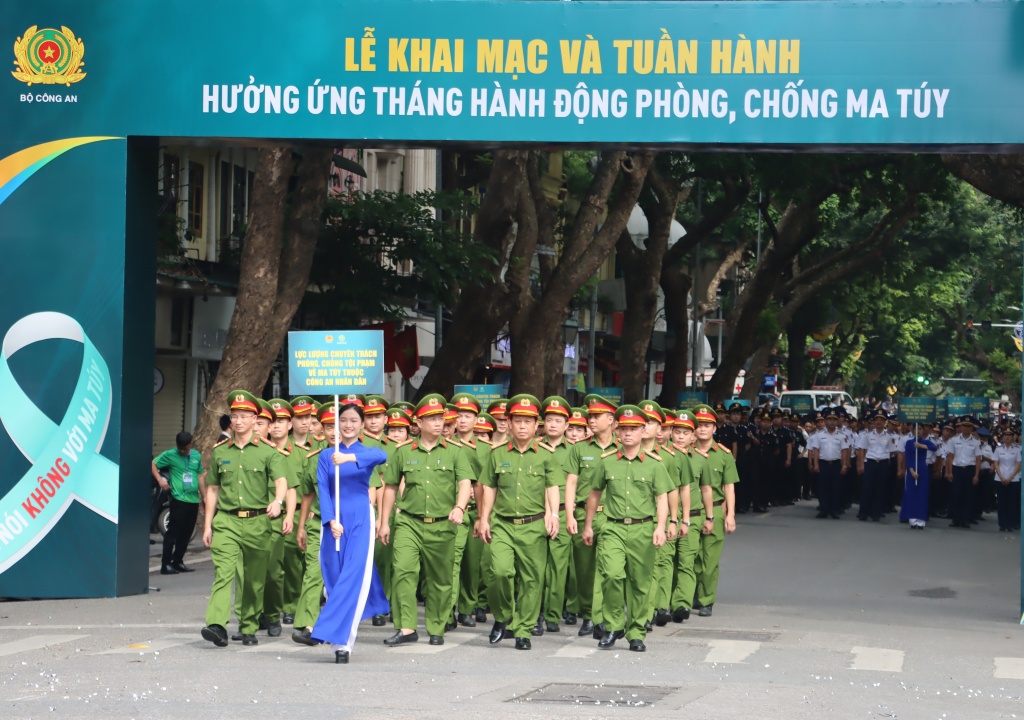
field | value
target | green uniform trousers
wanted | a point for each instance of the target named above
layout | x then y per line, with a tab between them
469	572
462	533
559	558
238	542
706	563
417	545
383	560
294	568
661	582
572	593
307	610
273	591
685	582
518	559
588	583
625	560
486	575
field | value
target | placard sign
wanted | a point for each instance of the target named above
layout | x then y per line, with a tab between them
336	362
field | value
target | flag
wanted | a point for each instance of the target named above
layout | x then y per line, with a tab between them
407	352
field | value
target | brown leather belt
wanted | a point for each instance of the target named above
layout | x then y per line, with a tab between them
427	520
632	521
247	513
522	520
700	510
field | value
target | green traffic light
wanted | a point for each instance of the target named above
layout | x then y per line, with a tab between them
920	378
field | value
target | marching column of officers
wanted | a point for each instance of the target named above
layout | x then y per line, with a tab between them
613	517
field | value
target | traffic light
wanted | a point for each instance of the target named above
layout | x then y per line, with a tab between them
970	327
923	380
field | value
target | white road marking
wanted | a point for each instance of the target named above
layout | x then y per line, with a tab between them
152	646
577	649
877	659
281	645
36	642
730	651
1010	668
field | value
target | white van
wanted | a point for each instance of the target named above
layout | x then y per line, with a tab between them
805	401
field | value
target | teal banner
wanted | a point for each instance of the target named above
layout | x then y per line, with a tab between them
486	394
957	405
800	404
732	73
916	409
689	398
614	394
339	362
941	413
979	406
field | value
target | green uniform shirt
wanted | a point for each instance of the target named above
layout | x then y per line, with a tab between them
521	479
630	488
721	470
669	461
692	470
584	457
296	462
245	474
184	473
431	476
476	453
384	443
562	450
309	482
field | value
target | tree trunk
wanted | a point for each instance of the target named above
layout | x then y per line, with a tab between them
1001	176
485	307
756	372
277	254
641	271
796	336
675	284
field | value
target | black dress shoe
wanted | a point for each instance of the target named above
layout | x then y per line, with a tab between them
705	611
497	633
399	639
378	621
467	621
304	637
168	570
274	630
569	618
608	641
662	617
452	624
480	615
237	637
288	619
552	627
523	644
648	626
249	640
264	622
598	631
680	614
215	634
181	567
821	515
538	629
637	646
587	628
341	657
436	640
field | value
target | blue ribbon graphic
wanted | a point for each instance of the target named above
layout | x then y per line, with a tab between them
66	461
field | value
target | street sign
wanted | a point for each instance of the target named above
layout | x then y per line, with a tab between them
486	394
978	406
335	362
689	398
957	405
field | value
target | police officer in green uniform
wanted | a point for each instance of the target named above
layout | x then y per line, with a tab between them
300	446
520	488
284	576
661	582
556	412
497	411
576	431
580	466
635	488
687	545
468	549
375	409
239	507
717	490
308	608
437	483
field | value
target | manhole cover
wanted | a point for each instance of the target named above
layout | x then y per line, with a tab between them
609	695
939	593
748	635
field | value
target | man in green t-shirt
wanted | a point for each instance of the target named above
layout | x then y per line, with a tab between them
186	480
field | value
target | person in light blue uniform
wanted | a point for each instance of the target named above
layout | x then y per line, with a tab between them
354	590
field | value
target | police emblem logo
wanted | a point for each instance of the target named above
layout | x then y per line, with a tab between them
372	403
329	338
353	398
432	402
648	407
525	402
627	413
577	414
554	403
239	398
277	406
462	400
49	57
684	416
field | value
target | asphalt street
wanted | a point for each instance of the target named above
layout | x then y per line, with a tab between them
815	618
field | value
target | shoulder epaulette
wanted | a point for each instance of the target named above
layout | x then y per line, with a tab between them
311	454
549	448
225	440
283	451
669	450
613	451
722	447
455	441
408	441
700	452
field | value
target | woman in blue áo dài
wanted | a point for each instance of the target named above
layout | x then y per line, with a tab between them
353	588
